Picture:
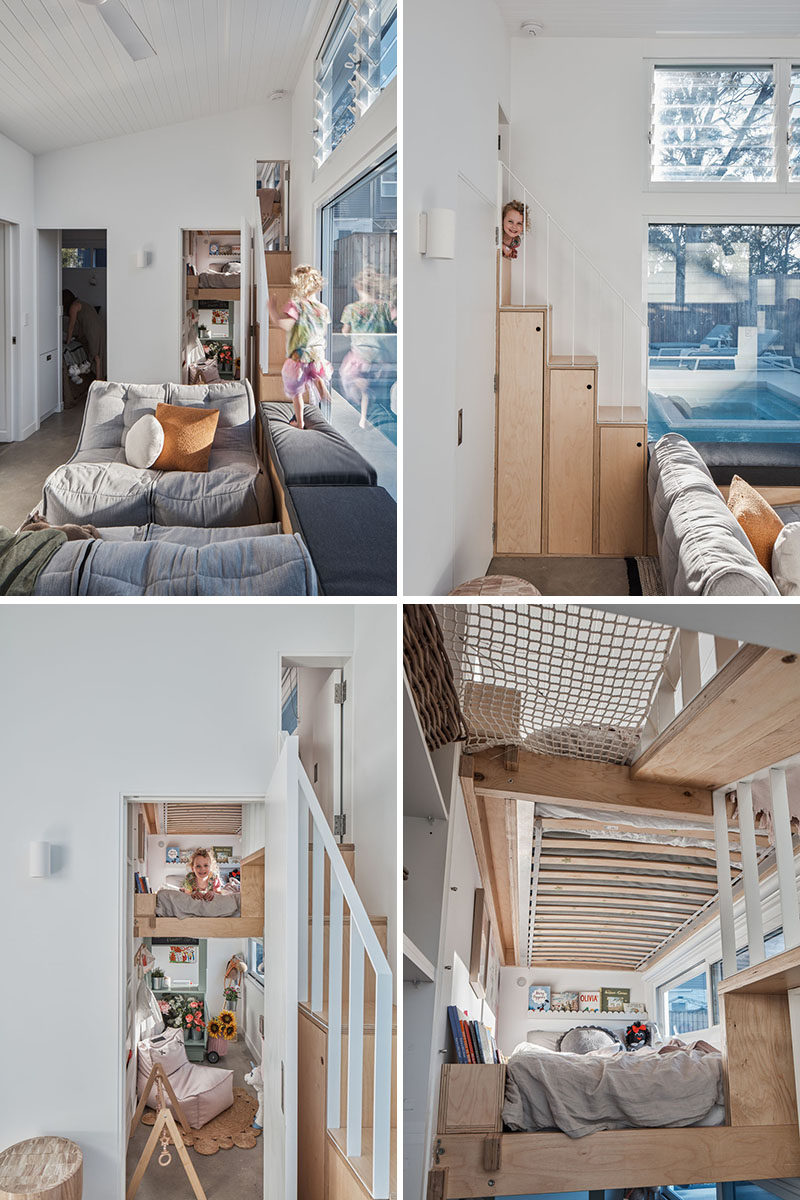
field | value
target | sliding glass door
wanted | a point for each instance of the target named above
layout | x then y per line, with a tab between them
359	261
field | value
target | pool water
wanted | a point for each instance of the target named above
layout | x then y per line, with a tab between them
750	413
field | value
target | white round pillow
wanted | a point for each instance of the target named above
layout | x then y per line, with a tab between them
144	442
786	560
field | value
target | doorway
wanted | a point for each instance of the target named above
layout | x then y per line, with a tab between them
176	986
316	705
5	340
83	266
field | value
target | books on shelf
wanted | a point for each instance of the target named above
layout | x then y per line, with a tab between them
141	883
473	1042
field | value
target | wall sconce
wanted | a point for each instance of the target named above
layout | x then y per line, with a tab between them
437	233
39	860
142	258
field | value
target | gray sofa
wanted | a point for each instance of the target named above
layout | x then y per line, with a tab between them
702	547
97	485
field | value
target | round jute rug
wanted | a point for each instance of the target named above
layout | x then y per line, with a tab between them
234	1127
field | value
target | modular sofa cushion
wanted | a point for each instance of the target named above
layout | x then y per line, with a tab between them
278	565
113	408
183	535
235	404
317	456
351	534
702	547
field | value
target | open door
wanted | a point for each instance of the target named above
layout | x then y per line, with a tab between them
279	1064
246	301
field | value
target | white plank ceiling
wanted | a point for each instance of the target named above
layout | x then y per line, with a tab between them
644	18
65	79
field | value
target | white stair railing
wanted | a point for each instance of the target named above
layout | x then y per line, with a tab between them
363	941
589	316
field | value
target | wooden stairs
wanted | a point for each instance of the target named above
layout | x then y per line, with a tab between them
569	476
324	1170
267	384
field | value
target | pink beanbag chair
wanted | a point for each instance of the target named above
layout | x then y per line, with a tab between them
202	1092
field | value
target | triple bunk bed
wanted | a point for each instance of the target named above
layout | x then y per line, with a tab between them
625	783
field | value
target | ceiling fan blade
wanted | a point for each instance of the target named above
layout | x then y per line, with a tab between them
125	29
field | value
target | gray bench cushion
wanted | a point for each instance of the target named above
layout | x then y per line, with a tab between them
351	534
703	549
762	464
98	485
317	456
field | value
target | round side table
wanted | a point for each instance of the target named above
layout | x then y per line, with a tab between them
43	1168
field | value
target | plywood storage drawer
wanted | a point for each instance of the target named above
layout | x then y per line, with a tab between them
520	401
471	1098
570	487
623	450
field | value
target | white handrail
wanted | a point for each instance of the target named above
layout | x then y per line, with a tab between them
363	940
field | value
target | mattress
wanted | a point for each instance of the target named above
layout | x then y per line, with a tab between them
173	903
219	279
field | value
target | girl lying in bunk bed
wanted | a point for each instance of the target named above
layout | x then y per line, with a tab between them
202	892
589	1082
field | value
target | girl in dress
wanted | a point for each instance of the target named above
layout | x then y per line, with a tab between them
366	320
516	223
304	318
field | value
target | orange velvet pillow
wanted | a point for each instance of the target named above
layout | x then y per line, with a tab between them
188	436
759	521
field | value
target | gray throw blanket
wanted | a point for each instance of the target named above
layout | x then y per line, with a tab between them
23	556
173	903
583	1093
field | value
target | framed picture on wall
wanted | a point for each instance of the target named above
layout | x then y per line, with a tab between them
173	854
223	854
481	934
492	977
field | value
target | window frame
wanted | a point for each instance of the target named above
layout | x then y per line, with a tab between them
333	31
782	71
251	974
703	967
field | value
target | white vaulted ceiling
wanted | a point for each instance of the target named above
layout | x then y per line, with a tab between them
65	79
645	18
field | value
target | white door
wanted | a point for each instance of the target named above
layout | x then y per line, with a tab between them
5	405
279	1063
48	322
246	301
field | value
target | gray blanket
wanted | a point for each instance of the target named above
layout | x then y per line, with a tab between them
23	556
584	1093
277	565
172	903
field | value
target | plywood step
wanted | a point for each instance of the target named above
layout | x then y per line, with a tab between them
348	853
351	1178
279	266
562	361
270	387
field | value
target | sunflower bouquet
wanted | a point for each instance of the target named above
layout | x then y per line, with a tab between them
214	1027
227	1022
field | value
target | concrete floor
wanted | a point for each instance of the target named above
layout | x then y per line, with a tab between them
567	576
24	466
226	1174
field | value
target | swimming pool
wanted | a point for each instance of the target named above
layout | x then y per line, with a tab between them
747	413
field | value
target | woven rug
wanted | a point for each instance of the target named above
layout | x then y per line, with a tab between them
234	1127
644	576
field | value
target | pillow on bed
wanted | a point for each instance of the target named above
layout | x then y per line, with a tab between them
586	1038
144	441
547	1039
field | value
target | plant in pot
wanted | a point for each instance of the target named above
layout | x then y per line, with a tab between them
157	976
202	330
231	995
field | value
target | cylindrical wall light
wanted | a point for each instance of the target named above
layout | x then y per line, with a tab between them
39	860
437	233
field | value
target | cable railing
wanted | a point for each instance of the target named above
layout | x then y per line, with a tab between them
329	872
589	318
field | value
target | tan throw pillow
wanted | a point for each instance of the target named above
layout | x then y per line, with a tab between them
188	436
758	520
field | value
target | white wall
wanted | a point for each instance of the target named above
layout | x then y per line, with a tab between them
144	188
218	952
514	1020
370	140
16	207
374	771
136	720
578	141
451	105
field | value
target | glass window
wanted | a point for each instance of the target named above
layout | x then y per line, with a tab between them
724	320
76	257
356	62
713	123
359	261
683	1005
290	716
773	944
255	958
794	125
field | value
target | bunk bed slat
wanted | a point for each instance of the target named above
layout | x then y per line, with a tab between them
784	857
752	892
724	883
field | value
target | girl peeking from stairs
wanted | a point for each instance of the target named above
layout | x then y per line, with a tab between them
304	318
516	223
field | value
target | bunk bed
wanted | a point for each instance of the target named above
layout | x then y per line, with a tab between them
249	924
679	775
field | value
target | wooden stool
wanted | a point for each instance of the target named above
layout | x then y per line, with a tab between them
496	585
43	1168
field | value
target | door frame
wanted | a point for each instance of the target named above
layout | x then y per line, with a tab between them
9	232
127	797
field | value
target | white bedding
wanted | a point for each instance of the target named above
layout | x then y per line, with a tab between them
584	1093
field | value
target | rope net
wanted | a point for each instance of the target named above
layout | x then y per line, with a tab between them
555	679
